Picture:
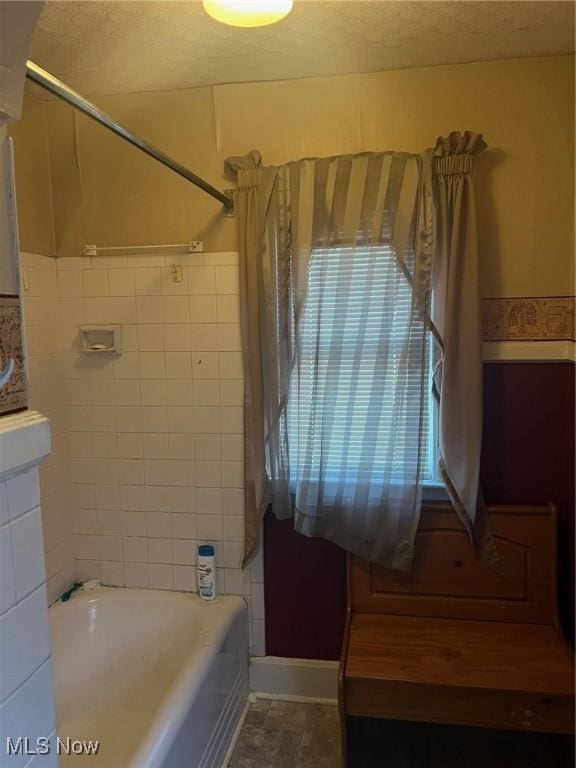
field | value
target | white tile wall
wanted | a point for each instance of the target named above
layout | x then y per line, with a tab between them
46	339
151	448
26	695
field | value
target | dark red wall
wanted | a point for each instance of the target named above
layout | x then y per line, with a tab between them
528	457
304	592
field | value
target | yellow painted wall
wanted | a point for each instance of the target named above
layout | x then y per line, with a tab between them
33	191
122	197
524	108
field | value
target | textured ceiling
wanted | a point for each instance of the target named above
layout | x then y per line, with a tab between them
119	47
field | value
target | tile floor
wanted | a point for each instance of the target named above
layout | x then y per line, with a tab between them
281	734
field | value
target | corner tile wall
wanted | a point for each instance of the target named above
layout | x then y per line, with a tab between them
26	697
44	346
154	436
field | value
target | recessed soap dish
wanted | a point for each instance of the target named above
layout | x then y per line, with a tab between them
97	339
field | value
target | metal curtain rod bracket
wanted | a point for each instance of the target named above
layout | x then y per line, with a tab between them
50	83
230	212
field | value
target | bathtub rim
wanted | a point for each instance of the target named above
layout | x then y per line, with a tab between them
175	706
178	699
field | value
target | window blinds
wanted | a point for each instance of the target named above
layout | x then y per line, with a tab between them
353	393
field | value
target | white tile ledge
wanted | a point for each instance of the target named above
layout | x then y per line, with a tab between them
25	439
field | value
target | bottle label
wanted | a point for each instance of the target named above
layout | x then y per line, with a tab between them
205	580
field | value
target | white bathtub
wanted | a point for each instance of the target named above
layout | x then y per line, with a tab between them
160	679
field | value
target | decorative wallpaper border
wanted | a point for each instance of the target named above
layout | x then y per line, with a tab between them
529	319
13	395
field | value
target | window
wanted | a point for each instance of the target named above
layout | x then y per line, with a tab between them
358	297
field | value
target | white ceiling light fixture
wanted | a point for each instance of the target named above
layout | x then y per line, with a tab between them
248	13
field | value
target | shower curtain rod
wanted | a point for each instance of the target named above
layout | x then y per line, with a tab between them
60	89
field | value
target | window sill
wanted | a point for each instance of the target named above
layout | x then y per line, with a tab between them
434	491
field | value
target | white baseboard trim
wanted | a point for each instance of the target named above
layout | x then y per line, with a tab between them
296	699
306	680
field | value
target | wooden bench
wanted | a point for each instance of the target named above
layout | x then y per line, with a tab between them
456	643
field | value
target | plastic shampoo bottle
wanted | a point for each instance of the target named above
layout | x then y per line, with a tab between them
206	572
